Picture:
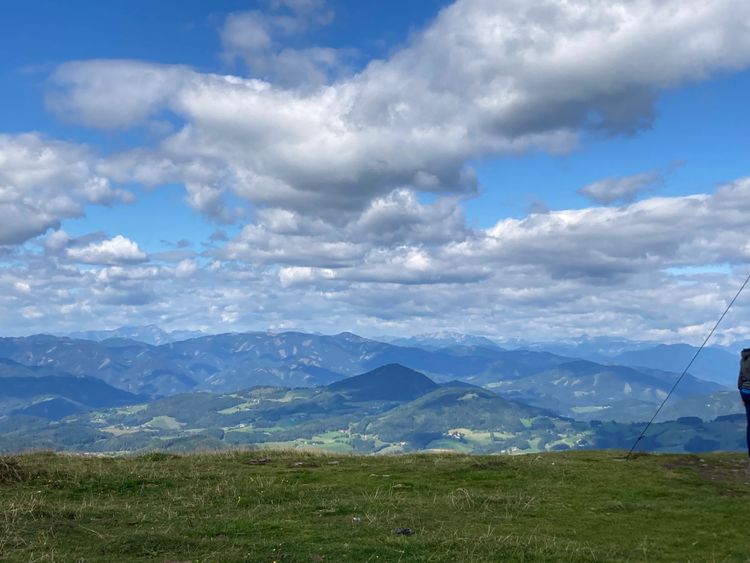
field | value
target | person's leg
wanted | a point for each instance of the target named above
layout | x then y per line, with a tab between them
746	402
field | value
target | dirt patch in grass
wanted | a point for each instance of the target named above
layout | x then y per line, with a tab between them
682	462
735	471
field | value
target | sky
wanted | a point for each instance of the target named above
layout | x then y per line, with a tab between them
547	170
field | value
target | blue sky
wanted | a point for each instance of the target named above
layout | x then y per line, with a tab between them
700	135
381	167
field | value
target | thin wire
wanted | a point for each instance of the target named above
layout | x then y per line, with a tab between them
676	383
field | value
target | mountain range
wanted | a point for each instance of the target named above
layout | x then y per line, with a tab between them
149	334
48	378
364	413
229	362
713	364
39	391
444	339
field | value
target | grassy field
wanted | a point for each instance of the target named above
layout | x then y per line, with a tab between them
291	506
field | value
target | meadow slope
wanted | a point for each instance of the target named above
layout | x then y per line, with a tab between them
293	506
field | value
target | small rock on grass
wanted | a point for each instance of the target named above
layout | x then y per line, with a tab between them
304	464
404	531
260	461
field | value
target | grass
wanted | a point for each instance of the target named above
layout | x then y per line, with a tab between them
295	506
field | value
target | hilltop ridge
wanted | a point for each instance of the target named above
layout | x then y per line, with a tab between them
391	382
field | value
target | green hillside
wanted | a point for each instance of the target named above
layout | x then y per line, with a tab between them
460	419
291	506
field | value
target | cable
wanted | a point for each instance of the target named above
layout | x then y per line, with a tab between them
676	383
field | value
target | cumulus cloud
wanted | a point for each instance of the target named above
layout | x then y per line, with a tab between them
292	275
256	244
397	220
649	235
596	271
406	265
204	179
113	251
112	94
334	178
622	188
207	198
43	181
253	36
596	246
56	241
126	274
22	287
484	78
185	268
31	313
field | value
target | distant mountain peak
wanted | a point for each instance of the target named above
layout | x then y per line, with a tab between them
148	334
346	335
391	382
445	339
713	364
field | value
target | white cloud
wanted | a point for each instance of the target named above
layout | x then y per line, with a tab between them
43	181
292	275
600	271
31	313
256	244
397	220
126	274
113	94
334	177
397	240
246	31
113	251
56	241
623	188
535	261
207	199
98	190
649	235
486	77
257	38
186	268
22	287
